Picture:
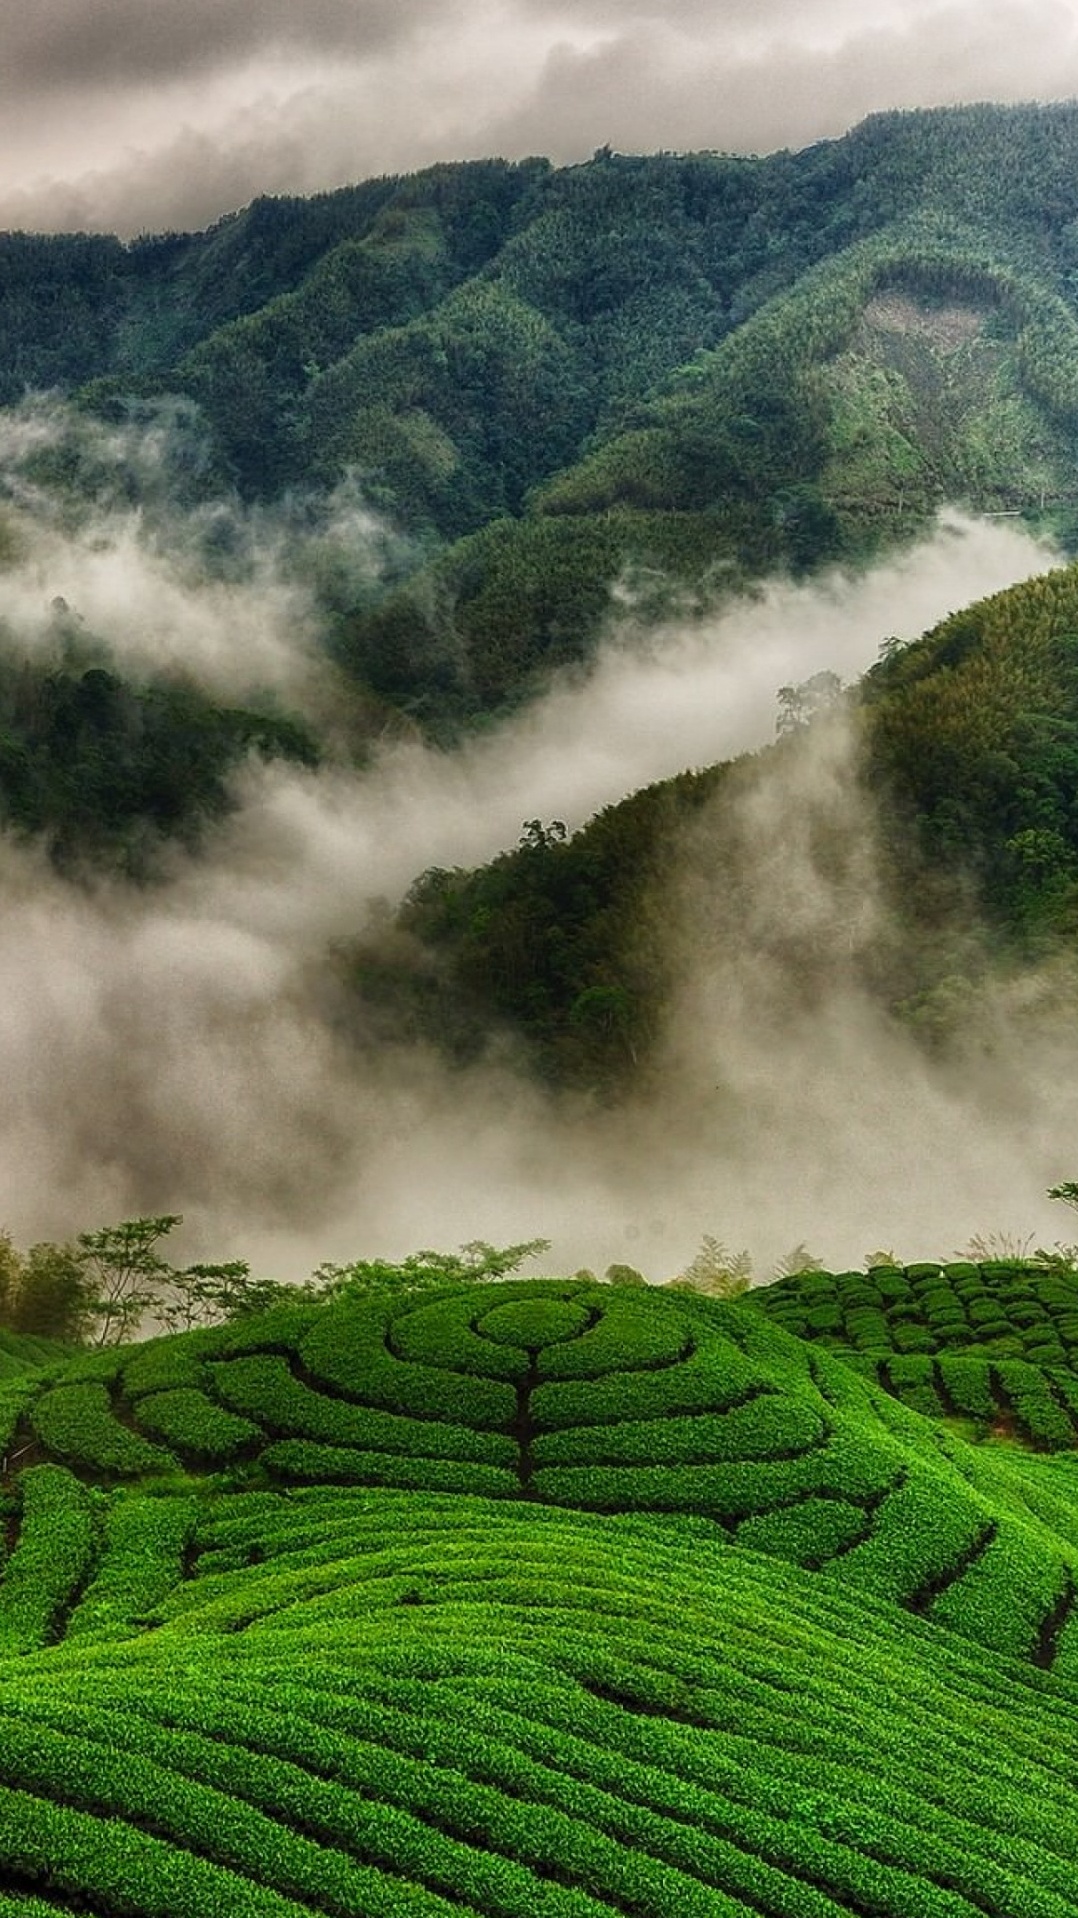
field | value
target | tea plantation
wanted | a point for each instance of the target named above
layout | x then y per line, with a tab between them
550	1600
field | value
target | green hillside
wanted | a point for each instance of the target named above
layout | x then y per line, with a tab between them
665	375
533	1598
961	779
678	370
994	1344
104	769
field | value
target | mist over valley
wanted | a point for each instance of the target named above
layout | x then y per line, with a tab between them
358	545
181	1043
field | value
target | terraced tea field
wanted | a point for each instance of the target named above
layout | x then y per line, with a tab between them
543	1600
994	1344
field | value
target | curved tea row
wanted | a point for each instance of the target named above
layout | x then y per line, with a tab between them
994	1344
580	1396
307	1616
413	1706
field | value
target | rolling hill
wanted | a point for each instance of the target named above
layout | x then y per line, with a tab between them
538	1597
552	1599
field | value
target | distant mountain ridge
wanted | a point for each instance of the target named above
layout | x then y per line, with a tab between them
688	369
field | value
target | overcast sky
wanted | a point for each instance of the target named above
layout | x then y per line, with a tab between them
137	115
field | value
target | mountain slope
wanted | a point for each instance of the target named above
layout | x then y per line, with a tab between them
681	370
958	763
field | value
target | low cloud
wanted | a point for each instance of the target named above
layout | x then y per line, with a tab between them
139	564
798	1109
63	45
183	1048
771	82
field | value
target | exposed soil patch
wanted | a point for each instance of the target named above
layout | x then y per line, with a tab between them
946	327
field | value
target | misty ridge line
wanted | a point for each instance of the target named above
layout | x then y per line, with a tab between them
112	127
183	1047
159	573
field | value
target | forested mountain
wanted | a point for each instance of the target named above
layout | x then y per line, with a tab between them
670	374
958	814
104	770
669	369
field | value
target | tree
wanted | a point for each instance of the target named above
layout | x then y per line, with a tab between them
1060	1257
128	1278
799	705
11	1266
535	837
204	1294
619	1274
54	1297
125	1271
715	1271
797	1260
476	1262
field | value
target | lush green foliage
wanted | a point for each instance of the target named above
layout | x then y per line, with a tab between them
611	1399
996	1344
561	941
966	748
50	1557
77	1422
667	375
679	370
105	769
815	1653
416	1594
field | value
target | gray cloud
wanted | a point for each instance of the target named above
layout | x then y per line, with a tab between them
135	117
790	79
66	44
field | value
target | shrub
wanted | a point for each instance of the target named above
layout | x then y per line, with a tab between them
191	1422
923	1532
76	1422
442	1334
345	1349
771	1426
533	1323
808	1533
627	1338
167	1365
302	1460
263	1387
712	1379
141	1563
52	1553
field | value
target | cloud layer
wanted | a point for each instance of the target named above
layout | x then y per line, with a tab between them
137	115
182	1048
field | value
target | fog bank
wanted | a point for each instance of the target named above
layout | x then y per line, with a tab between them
181	1048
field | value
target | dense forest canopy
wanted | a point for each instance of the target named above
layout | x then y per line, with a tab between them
962	775
680	368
